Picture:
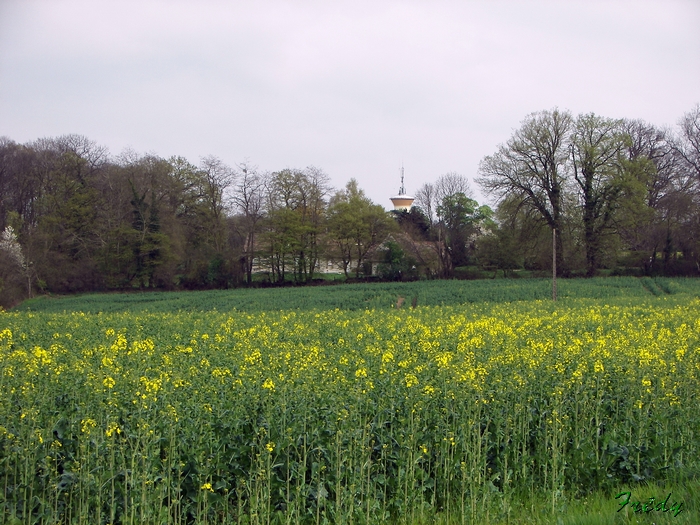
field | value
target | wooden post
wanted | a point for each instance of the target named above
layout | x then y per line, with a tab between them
554	264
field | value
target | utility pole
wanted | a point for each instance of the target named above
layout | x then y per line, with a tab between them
554	264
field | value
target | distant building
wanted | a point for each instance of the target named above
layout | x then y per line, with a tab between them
402	202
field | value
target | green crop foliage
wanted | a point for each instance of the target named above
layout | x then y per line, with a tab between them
466	412
365	296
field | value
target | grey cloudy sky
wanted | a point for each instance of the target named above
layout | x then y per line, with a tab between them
355	88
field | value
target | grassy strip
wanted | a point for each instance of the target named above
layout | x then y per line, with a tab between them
366	296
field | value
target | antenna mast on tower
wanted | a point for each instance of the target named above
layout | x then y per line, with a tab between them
402	202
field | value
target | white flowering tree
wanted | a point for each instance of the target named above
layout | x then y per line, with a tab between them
10	245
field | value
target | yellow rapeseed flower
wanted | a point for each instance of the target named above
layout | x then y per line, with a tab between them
112	429
86	425
411	380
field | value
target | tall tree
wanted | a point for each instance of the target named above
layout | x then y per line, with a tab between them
248	199
317	189
216	177
285	232
531	167
148	244
596	148
65	240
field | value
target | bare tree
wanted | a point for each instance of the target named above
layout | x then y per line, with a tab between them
217	178
425	200
319	188
687	146
248	200
431	198
531	168
451	184
430	195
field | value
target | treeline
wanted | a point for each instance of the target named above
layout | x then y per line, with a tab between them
621	194
75	219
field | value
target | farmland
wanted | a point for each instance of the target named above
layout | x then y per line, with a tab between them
486	403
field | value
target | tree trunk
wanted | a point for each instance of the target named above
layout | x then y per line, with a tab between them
554	264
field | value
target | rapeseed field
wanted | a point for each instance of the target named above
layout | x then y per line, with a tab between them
461	412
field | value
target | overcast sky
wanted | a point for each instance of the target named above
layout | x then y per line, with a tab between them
355	88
